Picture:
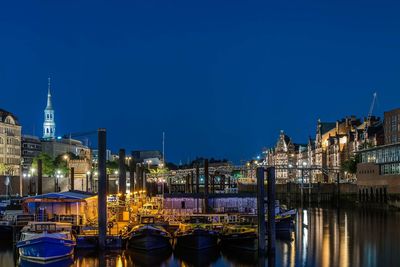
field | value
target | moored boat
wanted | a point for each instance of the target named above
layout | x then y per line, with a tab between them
46	241
147	235
198	233
239	236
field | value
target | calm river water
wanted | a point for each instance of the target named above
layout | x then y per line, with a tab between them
323	237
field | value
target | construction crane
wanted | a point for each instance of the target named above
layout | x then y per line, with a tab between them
368	122
79	134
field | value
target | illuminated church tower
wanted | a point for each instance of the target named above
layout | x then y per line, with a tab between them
49	125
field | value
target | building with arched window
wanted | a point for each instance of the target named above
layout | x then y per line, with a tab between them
10	144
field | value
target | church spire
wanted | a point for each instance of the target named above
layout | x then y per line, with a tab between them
49	103
49	124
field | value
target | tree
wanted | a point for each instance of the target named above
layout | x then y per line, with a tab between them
60	163
48	166
112	166
350	166
2	168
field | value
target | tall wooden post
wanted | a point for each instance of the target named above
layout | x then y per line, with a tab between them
271	210
91	182
102	195
197	179
87	182
40	177
206	185
132	175
191	182
137	180
197	186
261	210
72	177
187	186
338	189
122	173
212	177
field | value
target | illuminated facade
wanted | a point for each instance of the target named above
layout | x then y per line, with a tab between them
392	126
10	144
323	157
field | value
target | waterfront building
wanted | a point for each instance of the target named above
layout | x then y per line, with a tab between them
323	157
149	157
378	172
49	124
56	147
95	155
392	126
10	144
283	157
31	147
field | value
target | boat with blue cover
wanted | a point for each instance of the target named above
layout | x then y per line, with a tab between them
46	241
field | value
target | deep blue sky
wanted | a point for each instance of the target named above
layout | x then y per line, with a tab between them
221	78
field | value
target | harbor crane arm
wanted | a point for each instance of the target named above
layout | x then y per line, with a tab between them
371	109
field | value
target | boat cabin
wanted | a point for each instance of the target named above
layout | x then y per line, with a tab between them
147	220
149	208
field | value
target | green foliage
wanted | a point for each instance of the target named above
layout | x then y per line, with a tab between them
50	166
112	166
350	165
2	168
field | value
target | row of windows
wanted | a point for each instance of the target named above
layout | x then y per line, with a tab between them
49	116
389	154
10	141
31	146
10	161
13	151
390	169
10	131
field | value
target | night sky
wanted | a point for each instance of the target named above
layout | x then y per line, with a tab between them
221	78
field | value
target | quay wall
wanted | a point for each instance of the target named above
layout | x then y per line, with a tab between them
291	193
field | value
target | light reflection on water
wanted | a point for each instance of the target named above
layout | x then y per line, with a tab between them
323	237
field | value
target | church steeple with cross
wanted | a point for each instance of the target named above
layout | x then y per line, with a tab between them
49	125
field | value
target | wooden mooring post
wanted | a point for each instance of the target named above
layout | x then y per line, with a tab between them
72	177
102	187
261	210
122	174
206	184
271	211
40	177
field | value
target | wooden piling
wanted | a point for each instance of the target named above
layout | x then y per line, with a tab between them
338	190
102	195
122	173
261	210
40	176
72	177
197	179
138	185
206	185
132	181
87	182
271	210
191	182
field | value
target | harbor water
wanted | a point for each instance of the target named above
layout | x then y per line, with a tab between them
322	237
